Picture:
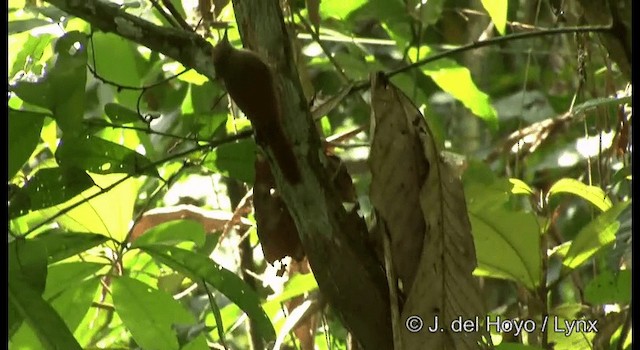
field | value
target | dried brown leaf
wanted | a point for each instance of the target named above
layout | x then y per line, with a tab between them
432	205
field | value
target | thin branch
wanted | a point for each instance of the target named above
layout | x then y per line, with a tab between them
316	38
176	15
166	16
490	42
178	155
145	130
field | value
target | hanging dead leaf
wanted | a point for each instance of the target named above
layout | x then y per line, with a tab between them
276	230
420	201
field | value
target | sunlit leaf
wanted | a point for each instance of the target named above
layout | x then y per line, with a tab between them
594	195
173	232
594	236
497	9
149	314
200	267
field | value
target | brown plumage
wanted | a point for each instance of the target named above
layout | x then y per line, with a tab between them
249	82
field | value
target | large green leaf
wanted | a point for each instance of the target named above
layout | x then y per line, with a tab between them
609	288
339	8
597	234
498	227
24	134
119	114
102	157
149	314
497	9
117	59
72	305
40	316
62	89
27	262
235	160
173	232
69	275
48	187
456	80
593	194
109	213
200	267
62	244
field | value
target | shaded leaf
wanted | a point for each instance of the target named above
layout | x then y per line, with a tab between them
119	114
173	232
102	157
123	70
234	160
20	26
62	89
149	314
71	306
201	267
48	187
40	316
24	134
594	236
62	244
609	288
28	263
69	275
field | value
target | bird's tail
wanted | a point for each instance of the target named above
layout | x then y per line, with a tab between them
282	149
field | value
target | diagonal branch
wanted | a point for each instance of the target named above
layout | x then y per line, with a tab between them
185	47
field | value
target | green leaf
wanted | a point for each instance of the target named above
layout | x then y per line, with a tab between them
28	259
100	215
40	316
62	244
339	8
497	9
102	157
69	275
26	25
71	306
514	235
516	346
62	89
520	187
149	314
594	195
27	262
48	187
201	267
235	160
597	234
119	114
30	53
24	134
173	232
116	58
456	80
609	288
431	11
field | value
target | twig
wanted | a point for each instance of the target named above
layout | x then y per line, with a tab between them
494	41
166	16
176	15
138	128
